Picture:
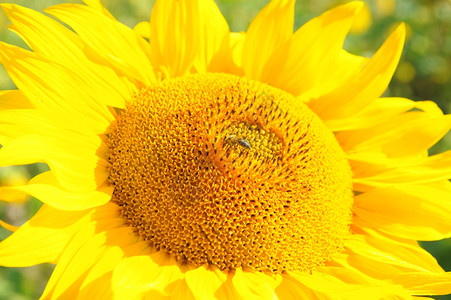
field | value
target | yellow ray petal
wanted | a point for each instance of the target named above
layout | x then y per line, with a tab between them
82	252
72	173
98	5
14	99
186	34
213	34
325	285
255	285
39	32
307	63
419	212
135	276
143	29
11	101
398	260
111	43
270	30
45	188
378	112
382	256
41	239
52	86
407	134
366	86
205	282
425	170
229	57
101	273
290	288
421	283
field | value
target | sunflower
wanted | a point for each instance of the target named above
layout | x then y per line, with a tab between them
188	161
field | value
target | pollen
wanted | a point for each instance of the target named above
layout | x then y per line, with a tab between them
218	170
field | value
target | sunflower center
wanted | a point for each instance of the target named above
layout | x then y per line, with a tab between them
220	170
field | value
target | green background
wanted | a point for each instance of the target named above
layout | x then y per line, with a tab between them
423	74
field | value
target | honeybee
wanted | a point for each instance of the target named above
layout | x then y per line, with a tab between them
240	140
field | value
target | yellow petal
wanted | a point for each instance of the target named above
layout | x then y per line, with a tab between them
407	134
41	239
425	170
205	282
270	30
290	288
383	256
14	99
97	284
45	188
402	262
54	87
213	33
134	276
419	212
421	283
186	34
98	6
229	57
111	43
325	285
378	112
73	174
86	247
307	63
143	29
365	86
40	31
255	285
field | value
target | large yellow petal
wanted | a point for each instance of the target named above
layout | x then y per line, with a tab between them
111	43
378	112
41	239
186	34
137	275
380	255
86	247
365	86
423	170
46	188
14	99
54	87
40	33
290	288
143	29
325	285
98	5
255	285
405	135
213	34
386	257
204	283
419	212
75	165
229	57
420	283
309	60
97	284
270	30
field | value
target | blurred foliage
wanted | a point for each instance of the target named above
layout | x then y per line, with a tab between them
423	74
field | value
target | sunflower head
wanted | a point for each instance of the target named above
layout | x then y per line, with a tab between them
221	170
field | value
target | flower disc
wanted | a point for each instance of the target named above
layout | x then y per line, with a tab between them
220	170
